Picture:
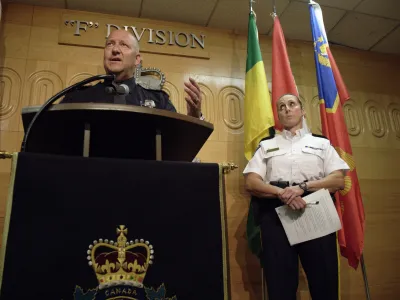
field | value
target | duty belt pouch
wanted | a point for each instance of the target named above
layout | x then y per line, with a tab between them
261	205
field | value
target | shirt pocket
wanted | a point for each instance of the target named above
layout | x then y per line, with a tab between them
311	163
277	165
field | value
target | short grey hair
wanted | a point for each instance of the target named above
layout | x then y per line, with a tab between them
135	41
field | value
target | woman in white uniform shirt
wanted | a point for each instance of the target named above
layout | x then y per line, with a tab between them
283	169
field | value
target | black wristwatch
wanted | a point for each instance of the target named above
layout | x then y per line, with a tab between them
303	186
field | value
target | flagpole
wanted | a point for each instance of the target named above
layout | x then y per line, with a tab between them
262	273
263	293
263	283
364	271
274	7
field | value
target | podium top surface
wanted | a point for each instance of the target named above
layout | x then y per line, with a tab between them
118	108
124	131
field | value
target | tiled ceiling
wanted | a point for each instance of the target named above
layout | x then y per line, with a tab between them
295	20
363	24
348	30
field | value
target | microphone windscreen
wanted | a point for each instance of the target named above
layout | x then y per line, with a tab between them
109	90
124	89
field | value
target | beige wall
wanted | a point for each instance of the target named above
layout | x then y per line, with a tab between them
33	67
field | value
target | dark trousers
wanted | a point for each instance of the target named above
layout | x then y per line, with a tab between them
318	257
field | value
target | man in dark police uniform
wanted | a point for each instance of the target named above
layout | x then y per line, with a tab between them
121	56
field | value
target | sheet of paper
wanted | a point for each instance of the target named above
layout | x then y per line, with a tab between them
314	221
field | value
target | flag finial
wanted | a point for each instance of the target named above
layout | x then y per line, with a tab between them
273	8
251	5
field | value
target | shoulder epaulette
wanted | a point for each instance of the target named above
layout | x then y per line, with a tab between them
320	136
271	135
267	138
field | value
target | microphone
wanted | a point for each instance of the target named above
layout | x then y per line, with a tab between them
117	89
122	89
46	105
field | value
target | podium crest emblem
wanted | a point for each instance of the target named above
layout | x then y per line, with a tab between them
120	267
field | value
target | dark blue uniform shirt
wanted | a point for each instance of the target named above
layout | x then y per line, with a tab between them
137	95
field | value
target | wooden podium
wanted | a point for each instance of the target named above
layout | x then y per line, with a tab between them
115	131
105	203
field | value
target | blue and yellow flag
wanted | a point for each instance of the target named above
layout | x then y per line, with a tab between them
327	90
332	94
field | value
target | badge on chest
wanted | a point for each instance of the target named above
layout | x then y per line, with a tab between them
148	103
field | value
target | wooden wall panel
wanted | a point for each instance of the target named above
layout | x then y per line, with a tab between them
17	14
15	41
12	78
33	67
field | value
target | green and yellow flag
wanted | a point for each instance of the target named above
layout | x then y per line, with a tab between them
258	115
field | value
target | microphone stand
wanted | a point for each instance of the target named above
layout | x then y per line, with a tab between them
49	102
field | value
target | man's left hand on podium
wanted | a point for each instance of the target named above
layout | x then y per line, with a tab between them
193	98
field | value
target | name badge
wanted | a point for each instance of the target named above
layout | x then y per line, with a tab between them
272	149
314	148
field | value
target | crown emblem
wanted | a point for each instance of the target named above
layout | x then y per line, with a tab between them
120	262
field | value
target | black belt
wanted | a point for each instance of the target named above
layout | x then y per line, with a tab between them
261	205
281	184
284	184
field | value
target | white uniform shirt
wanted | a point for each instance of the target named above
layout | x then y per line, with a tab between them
295	158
